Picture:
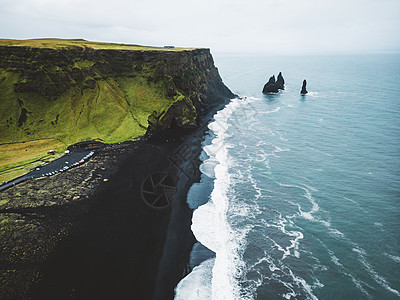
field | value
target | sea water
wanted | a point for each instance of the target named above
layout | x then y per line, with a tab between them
300	195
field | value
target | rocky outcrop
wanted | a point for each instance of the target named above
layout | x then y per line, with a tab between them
273	86
304	88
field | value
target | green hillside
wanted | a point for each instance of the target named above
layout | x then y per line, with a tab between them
54	93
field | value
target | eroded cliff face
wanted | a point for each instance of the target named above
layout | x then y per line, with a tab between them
73	93
49	75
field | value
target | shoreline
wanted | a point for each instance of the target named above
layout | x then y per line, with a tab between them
175	263
100	226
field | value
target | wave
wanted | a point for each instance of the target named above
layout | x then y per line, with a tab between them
294	243
377	277
357	282
361	253
393	257
196	285
307	194
301	282
309	215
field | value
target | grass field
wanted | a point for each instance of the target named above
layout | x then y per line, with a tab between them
19	158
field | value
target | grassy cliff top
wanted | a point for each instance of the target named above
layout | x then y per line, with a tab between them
49	99
53	43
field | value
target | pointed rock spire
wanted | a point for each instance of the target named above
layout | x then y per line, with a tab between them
303	88
280	82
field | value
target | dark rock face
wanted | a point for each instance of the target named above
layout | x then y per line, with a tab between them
303	88
273	86
280	82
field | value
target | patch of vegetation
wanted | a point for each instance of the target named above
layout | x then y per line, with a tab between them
19	158
2	202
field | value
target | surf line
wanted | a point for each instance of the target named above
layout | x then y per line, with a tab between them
209	222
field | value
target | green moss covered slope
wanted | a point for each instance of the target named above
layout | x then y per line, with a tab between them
54	93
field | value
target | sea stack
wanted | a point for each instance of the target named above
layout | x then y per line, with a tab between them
273	86
280	82
303	88
270	86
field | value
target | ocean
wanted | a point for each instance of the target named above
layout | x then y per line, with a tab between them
300	195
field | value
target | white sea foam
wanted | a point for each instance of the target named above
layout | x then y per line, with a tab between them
227	263
307	194
393	257
336	232
210	225
255	186
291	294
208	166
293	248
335	260
196	285
317	284
308	215
301	282
313	94
203	226
270	111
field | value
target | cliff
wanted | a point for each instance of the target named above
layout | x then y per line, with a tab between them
58	92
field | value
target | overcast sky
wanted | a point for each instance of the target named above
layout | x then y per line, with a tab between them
268	26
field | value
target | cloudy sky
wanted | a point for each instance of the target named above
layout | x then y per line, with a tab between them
267	26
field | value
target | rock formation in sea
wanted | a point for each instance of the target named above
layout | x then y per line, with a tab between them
303	88
273	86
270	86
280	82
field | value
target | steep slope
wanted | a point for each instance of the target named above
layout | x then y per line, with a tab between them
54	93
